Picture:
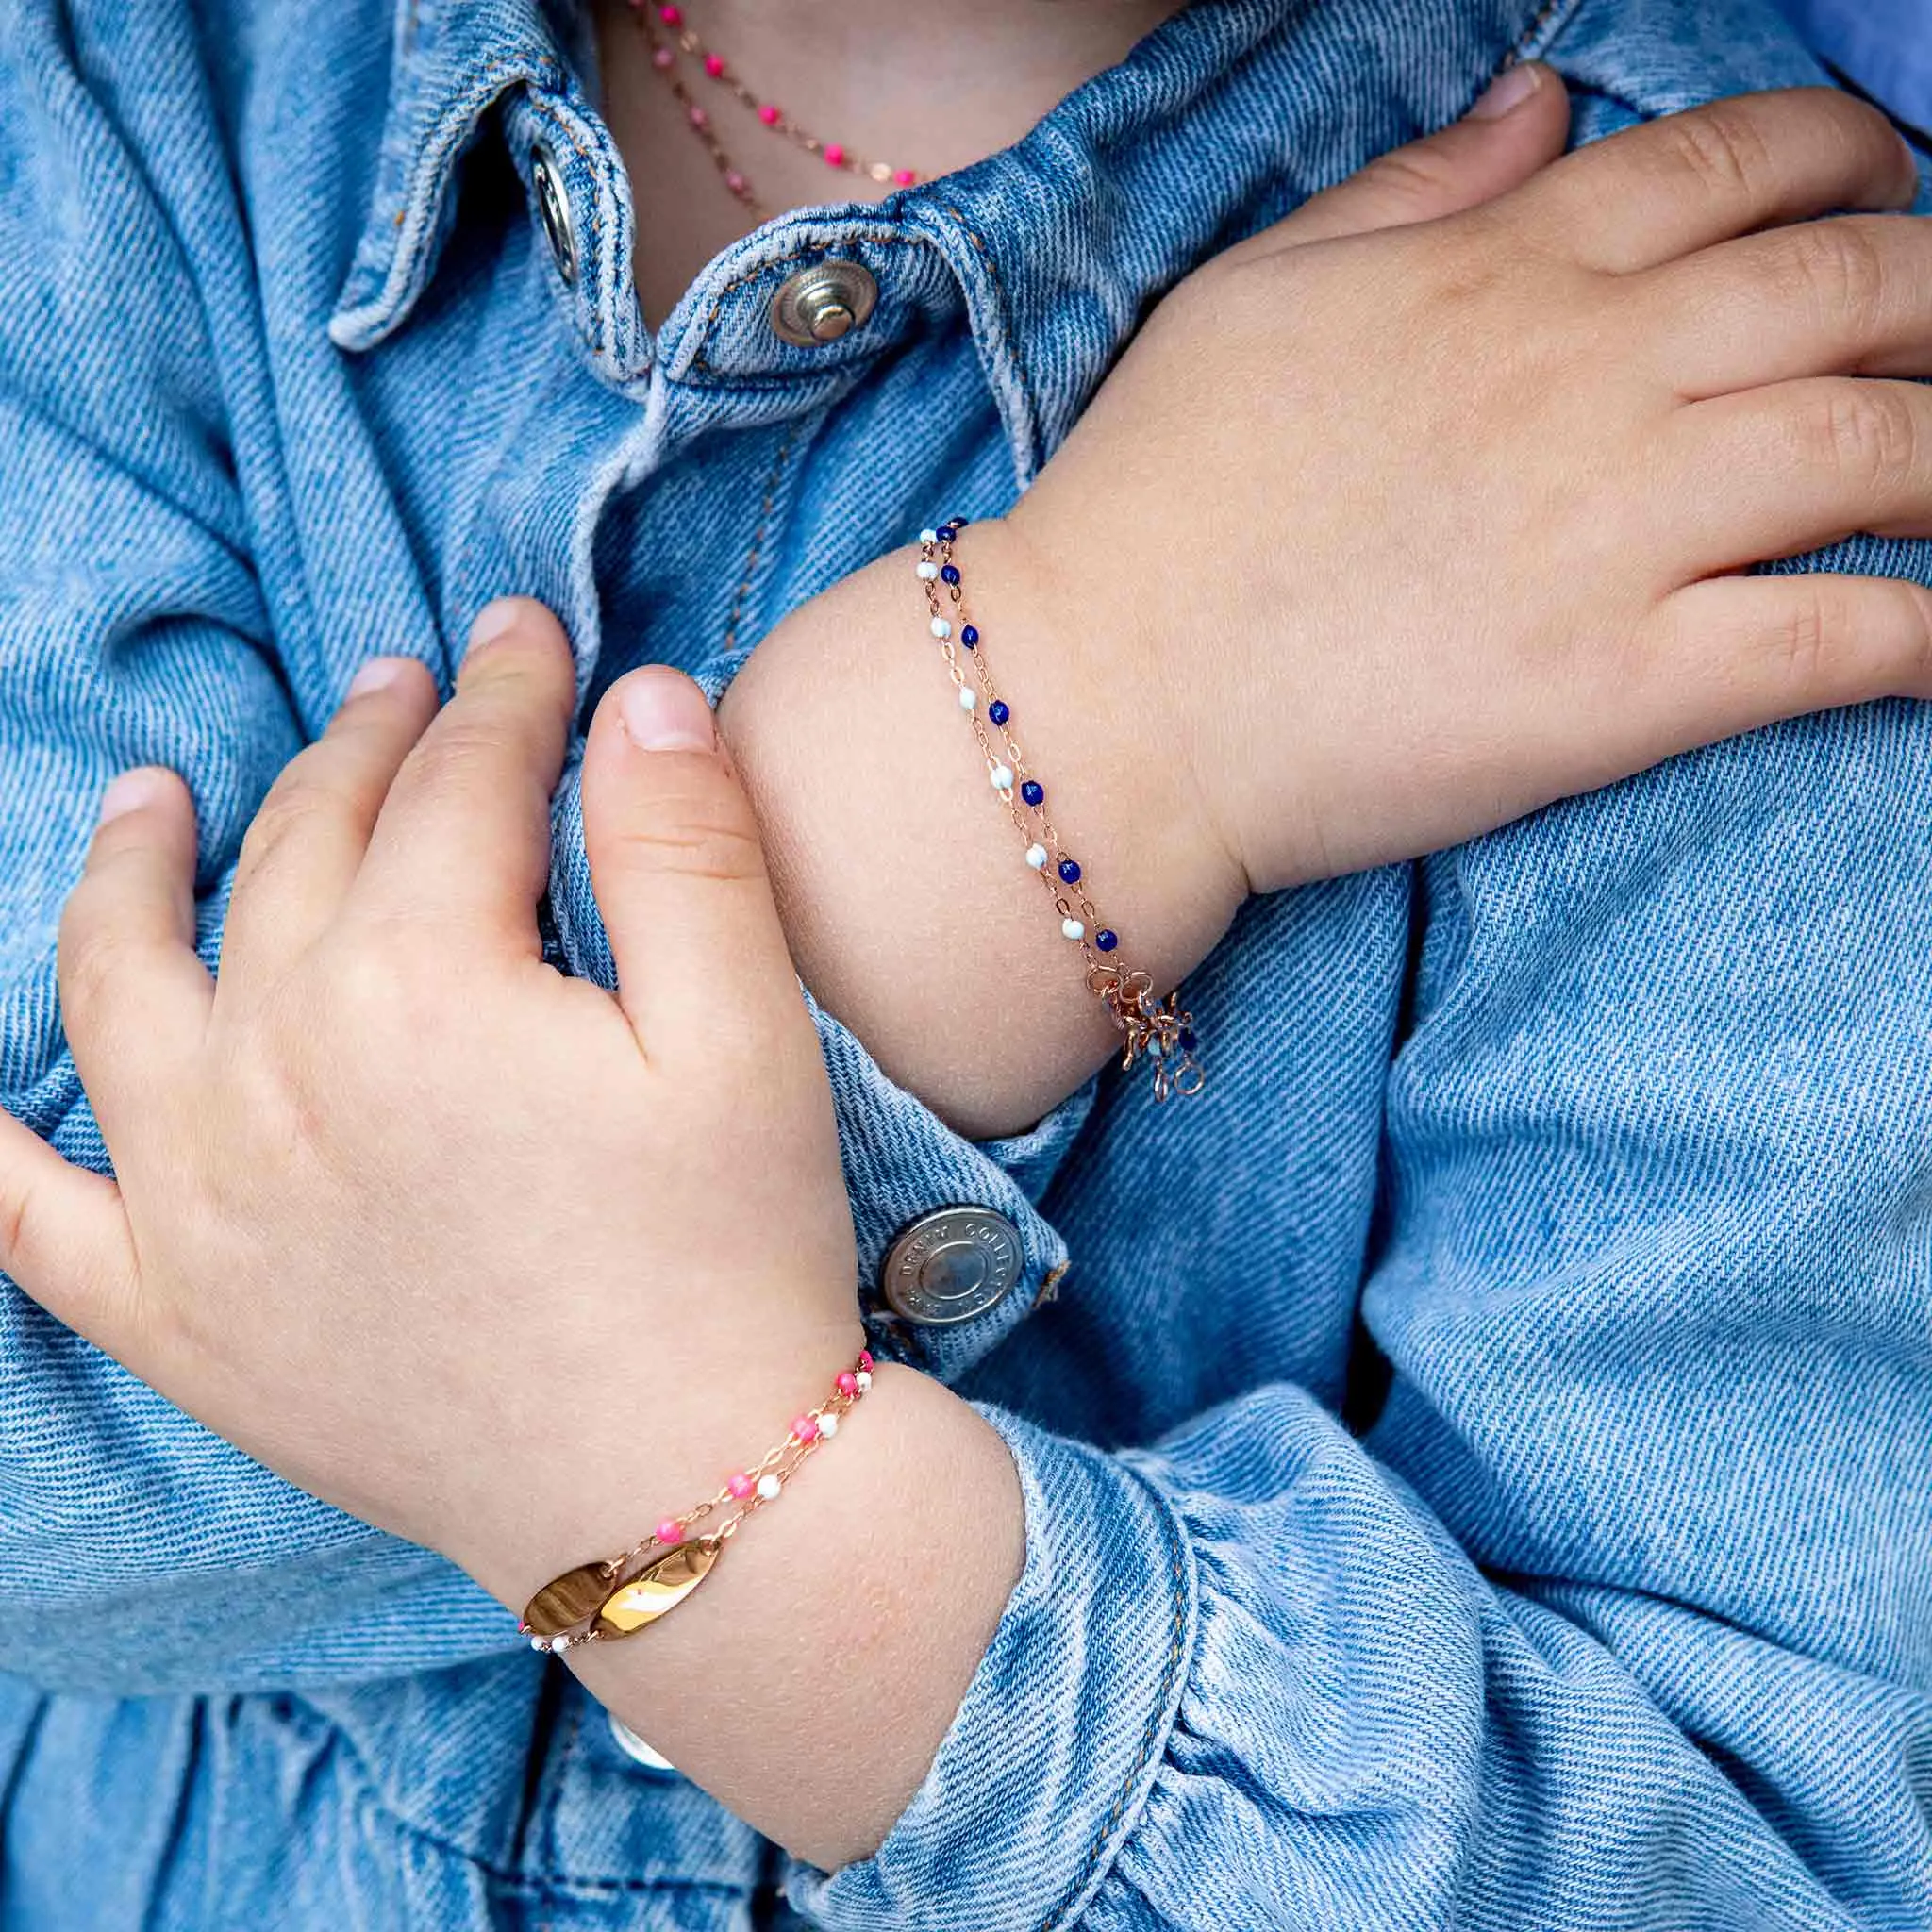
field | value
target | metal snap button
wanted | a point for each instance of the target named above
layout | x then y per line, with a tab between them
553	211
819	304
634	1748
953	1265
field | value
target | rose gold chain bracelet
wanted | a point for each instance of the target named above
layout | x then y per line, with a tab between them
620	1597
1157	1030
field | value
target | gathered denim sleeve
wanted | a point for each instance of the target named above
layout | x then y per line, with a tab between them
1621	1611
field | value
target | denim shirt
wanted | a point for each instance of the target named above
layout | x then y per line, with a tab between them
1477	1458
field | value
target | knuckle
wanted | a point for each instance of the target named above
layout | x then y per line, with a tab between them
1419	176
92	957
1798	642
298	797
702	841
1722	147
1840	265
1870	433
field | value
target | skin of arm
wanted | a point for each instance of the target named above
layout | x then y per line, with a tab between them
347	1311
1339	524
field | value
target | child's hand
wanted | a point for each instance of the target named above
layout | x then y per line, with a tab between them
413	1219
1400	535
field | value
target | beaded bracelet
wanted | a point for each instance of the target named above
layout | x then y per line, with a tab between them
1159	1029
619	1597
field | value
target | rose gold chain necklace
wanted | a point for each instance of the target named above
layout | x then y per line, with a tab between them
649	15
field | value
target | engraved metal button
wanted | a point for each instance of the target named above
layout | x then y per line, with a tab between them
953	1265
634	1748
821	303
553	211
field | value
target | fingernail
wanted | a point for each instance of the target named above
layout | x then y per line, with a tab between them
1508	92
663	711
376	673
131	791
494	621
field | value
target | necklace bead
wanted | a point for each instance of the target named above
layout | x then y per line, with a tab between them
834	153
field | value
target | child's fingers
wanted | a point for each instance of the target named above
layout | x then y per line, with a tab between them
680	876
463	837
1802	464
308	841
1852	296
134	997
63	1235
1659	191
1732	654
1518	126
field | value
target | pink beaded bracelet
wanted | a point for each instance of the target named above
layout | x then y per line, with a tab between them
620	1597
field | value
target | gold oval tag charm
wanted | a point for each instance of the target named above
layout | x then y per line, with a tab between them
564	1605
659	1587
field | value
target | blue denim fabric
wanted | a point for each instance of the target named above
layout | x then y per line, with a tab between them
1584	1168
1884	46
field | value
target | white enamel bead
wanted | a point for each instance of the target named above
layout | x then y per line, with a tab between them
1073	930
941	628
540	1643
928	571
864	1380
829	1425
1002	776
928	536
1036	857
770	1488
968	697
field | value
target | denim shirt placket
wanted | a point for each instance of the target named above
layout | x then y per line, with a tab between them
720	366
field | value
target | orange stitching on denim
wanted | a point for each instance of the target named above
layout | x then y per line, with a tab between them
999	288
757	541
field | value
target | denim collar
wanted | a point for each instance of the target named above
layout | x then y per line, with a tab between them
1209	129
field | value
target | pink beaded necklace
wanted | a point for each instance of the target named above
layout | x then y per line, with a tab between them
649	14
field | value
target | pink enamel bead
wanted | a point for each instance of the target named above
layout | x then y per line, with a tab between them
835	155
847	1383
903	176
699	117
663	60
806	1429
671	16
769	115
669	1531
714	66
741	1484
865	1360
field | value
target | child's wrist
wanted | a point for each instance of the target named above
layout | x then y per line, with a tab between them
909	912
583	1485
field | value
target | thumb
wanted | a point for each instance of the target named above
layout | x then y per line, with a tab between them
679	874
1520	124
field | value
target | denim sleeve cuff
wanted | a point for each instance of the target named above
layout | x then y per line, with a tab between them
1047	1768
901	1160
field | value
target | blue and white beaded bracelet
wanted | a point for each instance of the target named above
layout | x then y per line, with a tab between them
1155	1029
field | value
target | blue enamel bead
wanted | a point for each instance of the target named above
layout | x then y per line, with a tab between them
950	574
997	711
1187	1040
1032	791
1106	939
1070	872
969	636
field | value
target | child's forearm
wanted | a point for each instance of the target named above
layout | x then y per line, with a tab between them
905	896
